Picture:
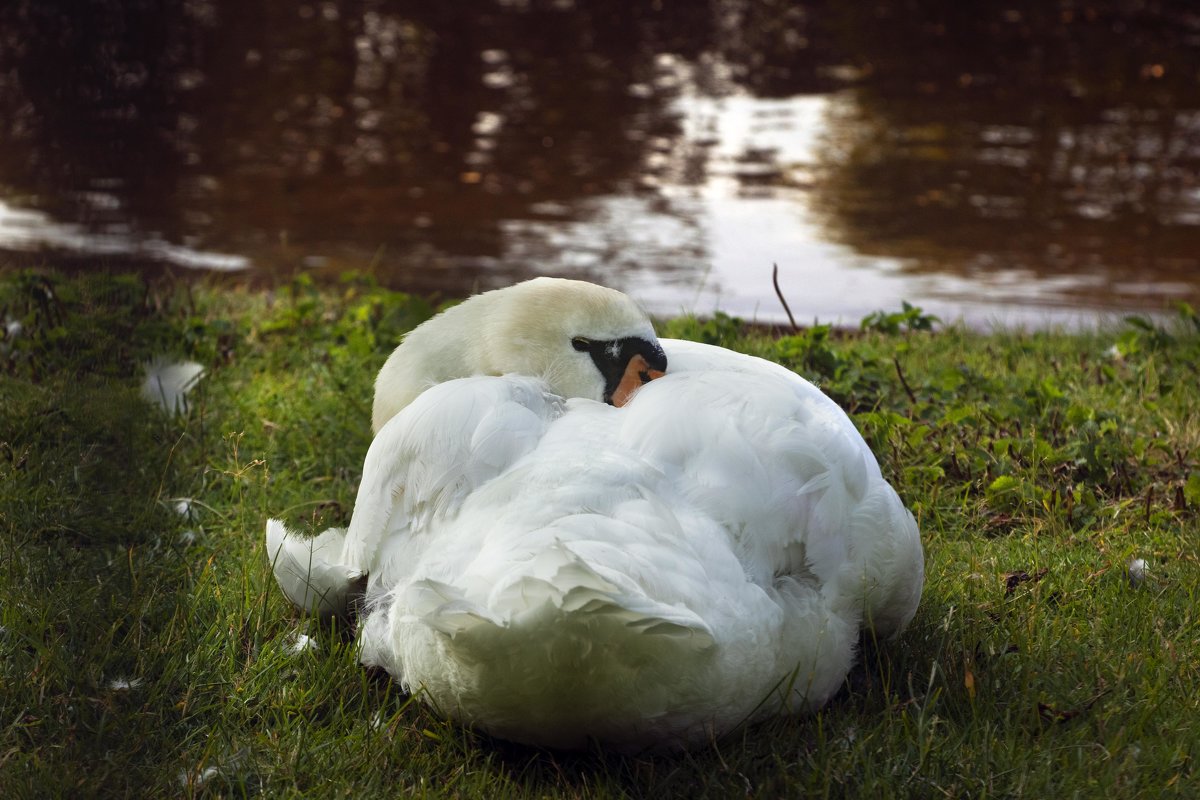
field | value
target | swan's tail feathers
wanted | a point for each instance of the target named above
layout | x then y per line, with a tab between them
310	572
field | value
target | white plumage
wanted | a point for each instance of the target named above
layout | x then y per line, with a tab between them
562	570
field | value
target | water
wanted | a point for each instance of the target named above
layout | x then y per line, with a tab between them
1020	161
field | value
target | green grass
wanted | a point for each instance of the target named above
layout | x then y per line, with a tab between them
1038	465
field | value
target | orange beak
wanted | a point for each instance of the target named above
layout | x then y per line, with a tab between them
637	374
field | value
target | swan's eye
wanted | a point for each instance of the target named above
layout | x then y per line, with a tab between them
581	344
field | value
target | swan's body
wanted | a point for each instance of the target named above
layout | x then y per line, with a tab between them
557	570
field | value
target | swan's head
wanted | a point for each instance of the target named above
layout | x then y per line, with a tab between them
582	339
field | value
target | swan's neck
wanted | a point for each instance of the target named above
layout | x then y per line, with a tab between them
449	346
524	329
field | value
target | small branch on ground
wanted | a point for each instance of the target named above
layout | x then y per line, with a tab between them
779	294
900	374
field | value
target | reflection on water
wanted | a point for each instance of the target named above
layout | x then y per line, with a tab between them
26	231
1020	160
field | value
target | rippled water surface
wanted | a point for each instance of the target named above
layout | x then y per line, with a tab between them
1024	161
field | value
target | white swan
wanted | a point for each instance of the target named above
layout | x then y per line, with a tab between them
556	569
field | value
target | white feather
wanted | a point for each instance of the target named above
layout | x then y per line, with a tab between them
168	384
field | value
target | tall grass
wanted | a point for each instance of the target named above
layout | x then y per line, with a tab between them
145	651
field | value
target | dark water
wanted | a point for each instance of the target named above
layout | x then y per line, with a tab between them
1022	160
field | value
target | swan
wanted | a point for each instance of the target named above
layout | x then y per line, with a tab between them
571	531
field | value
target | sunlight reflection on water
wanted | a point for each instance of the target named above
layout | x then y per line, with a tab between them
34	231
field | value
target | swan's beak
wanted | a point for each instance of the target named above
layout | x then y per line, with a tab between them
626	364
638	373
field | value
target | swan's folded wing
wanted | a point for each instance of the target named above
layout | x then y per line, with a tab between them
792	455
427	459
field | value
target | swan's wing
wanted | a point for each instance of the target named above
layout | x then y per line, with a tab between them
571	589
424	462
427	459
684	356
777	448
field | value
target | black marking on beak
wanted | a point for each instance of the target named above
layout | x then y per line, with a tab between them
612	357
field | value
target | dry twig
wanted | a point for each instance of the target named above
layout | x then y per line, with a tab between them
779	294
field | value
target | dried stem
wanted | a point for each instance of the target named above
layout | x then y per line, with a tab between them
779	294
904	383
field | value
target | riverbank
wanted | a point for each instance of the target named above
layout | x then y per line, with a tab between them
146	650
